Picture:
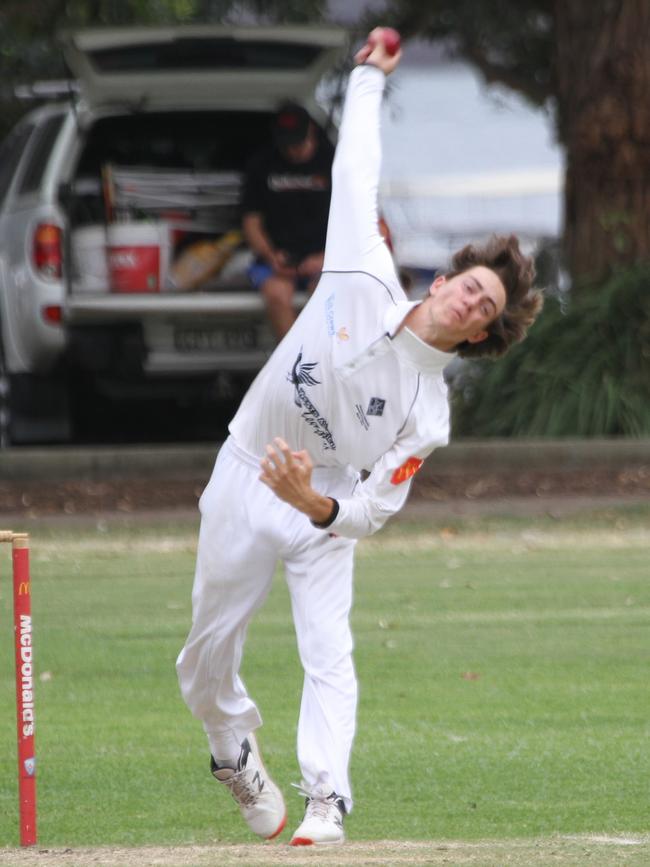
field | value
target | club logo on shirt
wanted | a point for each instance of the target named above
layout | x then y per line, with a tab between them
409	468
301	376
376	406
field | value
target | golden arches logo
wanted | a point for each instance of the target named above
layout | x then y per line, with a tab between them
23	588
409	468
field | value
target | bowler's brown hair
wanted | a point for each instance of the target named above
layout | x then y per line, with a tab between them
502	255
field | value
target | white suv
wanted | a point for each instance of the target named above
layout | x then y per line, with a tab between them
143	153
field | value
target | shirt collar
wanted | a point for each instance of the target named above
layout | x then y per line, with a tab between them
408	346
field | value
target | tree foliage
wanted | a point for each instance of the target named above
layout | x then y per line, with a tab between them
588	61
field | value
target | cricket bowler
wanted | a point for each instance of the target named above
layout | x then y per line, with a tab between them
321	452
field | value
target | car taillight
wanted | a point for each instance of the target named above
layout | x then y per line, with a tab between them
48	250
53	314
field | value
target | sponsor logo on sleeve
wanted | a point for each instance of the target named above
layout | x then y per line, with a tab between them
409	468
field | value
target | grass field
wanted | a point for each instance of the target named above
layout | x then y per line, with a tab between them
504	695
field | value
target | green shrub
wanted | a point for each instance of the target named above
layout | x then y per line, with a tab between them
582	371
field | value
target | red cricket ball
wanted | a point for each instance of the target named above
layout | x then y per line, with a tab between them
390	37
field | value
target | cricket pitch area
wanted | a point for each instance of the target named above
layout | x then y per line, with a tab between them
561	851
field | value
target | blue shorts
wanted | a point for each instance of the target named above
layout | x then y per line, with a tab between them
260	271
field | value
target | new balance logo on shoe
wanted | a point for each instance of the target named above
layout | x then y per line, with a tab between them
259	799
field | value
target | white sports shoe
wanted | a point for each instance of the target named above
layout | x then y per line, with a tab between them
259	799
323	821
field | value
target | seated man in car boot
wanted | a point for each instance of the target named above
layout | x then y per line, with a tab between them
285	206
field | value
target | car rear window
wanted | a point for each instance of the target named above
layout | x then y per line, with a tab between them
40	150
11	152
192	140
204	54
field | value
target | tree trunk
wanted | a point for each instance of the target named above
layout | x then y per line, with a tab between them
603	73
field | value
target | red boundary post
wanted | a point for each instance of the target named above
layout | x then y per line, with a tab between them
25	722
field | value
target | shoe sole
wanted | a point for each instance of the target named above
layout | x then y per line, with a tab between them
306	841
280	829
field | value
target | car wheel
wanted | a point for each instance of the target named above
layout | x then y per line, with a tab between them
33	408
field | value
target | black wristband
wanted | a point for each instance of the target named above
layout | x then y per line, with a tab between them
323	525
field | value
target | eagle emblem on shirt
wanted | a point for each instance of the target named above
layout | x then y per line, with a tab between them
301	375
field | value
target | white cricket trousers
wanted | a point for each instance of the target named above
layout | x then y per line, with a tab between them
245	530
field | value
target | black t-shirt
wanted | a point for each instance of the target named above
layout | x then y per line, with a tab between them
293	198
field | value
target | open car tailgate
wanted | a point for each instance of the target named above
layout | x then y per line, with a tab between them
156	67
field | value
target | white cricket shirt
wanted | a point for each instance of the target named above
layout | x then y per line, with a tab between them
346	383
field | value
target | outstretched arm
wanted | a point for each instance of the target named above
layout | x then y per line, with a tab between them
354	242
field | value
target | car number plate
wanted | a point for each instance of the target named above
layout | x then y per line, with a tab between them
214	339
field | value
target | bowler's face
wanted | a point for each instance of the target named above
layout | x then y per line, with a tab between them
463	306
